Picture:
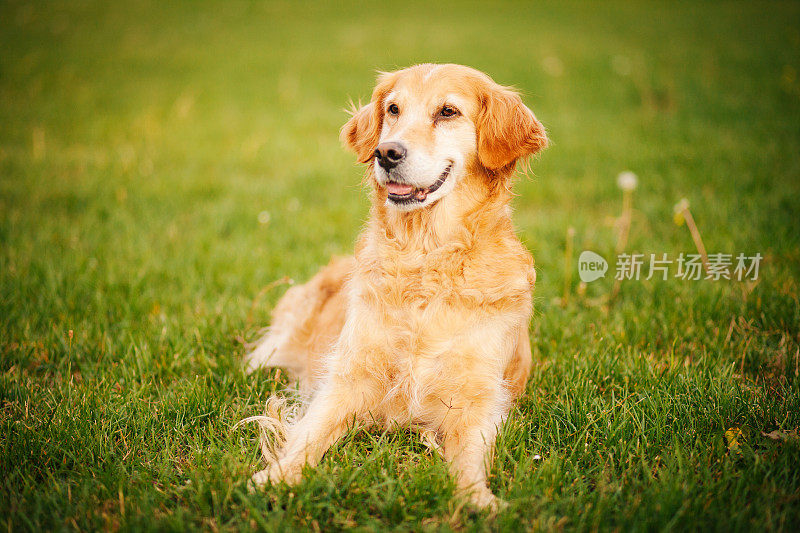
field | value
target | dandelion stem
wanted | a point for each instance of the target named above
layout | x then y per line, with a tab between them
625	220
698	240
568	265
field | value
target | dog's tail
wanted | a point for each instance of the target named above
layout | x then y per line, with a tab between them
273	349
305	323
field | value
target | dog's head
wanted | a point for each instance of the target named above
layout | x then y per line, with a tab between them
428	125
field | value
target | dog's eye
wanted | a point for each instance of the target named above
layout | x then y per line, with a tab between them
393	109
448	111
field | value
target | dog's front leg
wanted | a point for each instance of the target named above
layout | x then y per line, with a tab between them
469	431
327	418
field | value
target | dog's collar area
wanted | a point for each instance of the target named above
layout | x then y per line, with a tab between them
415	194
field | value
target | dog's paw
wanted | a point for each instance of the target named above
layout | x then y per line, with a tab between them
278	472
483	498
258	481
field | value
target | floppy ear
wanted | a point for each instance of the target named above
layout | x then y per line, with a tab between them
363	130
507	129
360	133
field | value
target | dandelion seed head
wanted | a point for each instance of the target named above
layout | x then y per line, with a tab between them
627	180
681	206
553	66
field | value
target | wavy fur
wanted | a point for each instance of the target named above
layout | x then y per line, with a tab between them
427	325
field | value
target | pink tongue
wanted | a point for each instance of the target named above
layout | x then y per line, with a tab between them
398	188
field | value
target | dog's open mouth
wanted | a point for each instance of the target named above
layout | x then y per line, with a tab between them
402	193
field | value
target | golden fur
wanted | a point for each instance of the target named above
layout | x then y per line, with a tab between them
427	325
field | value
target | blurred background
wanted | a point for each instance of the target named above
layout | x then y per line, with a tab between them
143	139
163	163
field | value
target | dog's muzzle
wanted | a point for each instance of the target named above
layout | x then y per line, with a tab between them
401	193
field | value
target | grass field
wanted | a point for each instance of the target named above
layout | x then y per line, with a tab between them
162	163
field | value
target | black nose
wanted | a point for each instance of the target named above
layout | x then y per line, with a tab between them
390	154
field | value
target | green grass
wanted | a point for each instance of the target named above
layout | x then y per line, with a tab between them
141	143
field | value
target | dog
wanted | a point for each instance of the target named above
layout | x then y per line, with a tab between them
427	324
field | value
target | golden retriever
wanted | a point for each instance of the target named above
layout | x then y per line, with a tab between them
427	325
